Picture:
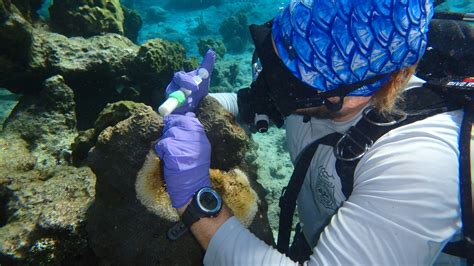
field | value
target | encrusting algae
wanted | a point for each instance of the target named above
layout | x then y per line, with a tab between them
233	185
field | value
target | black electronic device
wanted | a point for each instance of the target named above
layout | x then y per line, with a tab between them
206	202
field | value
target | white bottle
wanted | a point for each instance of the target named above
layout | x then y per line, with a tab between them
177	98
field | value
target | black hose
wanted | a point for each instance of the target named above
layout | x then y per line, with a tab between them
455	16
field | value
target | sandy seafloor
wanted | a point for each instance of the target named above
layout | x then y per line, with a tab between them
275	166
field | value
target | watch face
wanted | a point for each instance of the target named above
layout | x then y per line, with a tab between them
209	201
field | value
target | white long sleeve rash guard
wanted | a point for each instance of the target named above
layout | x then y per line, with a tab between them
403	210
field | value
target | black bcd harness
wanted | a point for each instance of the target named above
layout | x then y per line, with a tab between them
440	96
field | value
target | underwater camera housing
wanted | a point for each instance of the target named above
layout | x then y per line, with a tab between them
276	93
256	108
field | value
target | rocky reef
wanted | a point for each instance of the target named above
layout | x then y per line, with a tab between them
235	33
43	200
71	150
91	17
38	117
99	69
87	18
121	229
216	45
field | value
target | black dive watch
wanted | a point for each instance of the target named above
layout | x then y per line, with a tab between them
206	202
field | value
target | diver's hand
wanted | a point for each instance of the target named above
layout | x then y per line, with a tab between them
186	155
185	80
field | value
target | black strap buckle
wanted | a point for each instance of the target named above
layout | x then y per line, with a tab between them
353	145
176	231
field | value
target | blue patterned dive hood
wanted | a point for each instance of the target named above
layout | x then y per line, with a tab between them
326	43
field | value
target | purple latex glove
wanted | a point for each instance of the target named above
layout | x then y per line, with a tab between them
186	155
185	80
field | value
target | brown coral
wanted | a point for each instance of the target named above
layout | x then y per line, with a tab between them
232	185
228	140
237	193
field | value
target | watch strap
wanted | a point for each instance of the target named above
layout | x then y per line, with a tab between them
191	214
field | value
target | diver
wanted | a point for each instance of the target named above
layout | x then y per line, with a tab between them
333	73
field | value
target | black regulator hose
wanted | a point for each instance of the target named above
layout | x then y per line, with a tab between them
468	17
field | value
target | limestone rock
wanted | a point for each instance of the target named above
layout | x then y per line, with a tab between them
132	23
15	155
120	229
159	58
45	215
234	31
38	54
97	57
225	77
111	115
100	69
217	45
95	68
84	141
47	122
155	64
114	113
16	39
228	140
123	231
87	17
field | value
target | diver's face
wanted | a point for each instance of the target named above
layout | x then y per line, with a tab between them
351	107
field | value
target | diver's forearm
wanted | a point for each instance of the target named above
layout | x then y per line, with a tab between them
234	244
204	229
228	242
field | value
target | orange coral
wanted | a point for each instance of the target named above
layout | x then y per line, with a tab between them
233	185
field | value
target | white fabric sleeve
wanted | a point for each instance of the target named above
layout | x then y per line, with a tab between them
403	210
233	244
228	100
405	203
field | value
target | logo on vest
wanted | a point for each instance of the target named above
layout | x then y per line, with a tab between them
325	189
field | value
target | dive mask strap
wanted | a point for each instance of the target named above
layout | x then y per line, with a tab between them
288	92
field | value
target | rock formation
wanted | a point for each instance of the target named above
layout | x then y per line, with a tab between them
234	31
68	196
46	122
224	134
132	23
120	228
217	45
94	17
100	69
87	18
43	200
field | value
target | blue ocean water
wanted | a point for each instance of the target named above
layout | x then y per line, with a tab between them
224	23
181	24
189	21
